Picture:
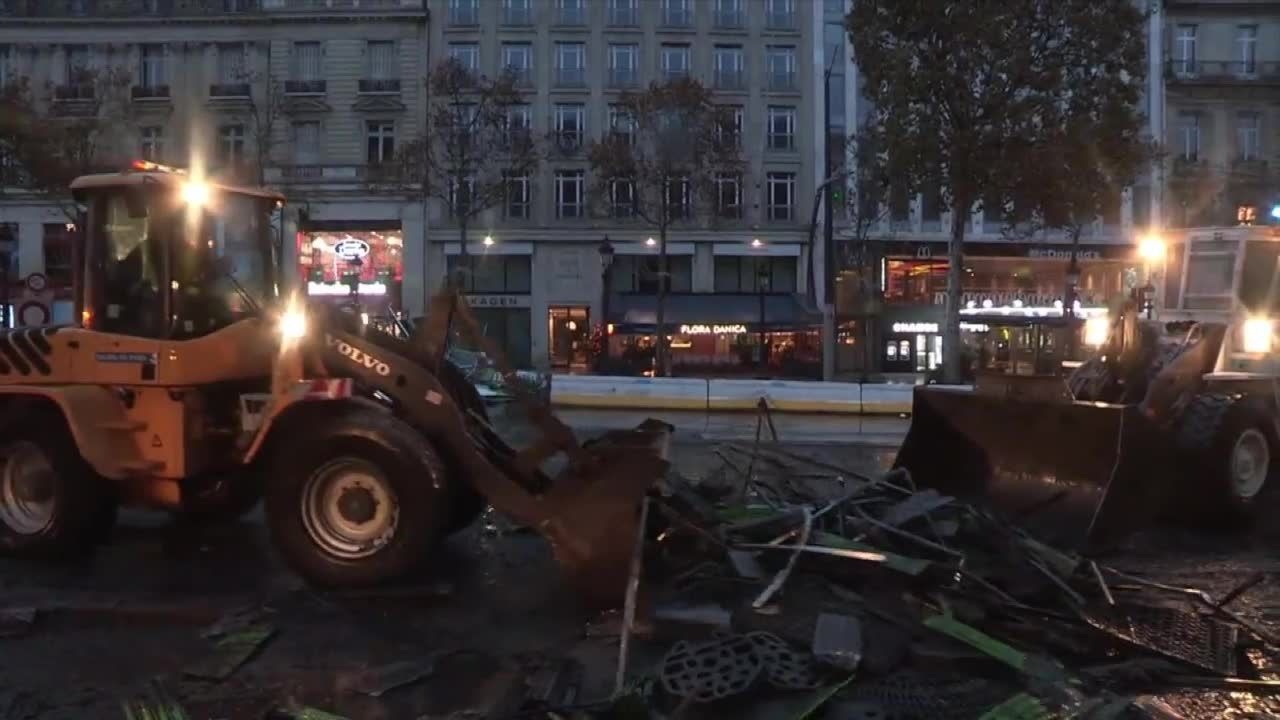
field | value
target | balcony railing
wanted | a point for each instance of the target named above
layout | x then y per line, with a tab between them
623	78
625	16
380	86
729	20
323	5
571	77
520	77
337	174
517	16
229	90
150	92
729	80
673	74
780	20
73	92
782	81
304	87
1221	71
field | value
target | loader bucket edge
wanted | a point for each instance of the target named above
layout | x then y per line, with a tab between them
1080	475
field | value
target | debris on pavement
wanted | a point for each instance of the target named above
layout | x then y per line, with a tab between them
376	681
230	652
16	621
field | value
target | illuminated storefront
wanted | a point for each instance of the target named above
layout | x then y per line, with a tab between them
339	263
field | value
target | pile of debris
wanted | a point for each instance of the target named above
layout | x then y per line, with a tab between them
849	596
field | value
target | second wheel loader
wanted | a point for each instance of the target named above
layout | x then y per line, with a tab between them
191	385
1176	414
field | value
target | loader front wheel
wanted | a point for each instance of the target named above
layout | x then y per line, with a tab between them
358	500
1236	448
51	503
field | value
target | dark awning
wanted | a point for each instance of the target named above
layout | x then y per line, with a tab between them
638	313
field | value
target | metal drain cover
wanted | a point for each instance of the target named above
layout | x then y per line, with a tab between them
710	671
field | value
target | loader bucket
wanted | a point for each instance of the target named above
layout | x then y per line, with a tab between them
1080	475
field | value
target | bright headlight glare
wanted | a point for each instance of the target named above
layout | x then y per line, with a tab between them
1257	334
293	324
1097	330
195	193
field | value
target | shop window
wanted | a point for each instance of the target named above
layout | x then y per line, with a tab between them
914	281
742	274
331	261
58	261
639	273
510	330
493	273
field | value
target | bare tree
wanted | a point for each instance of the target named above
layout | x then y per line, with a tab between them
474	146
264	115
51	137
677	144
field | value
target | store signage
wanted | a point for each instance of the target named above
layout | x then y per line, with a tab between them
1063	254
975	327
498	301
998	300
712	329
915	327
351	249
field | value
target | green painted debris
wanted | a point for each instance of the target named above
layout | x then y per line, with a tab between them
901	563
230	652
1031	665
1020	707
310	713
821	697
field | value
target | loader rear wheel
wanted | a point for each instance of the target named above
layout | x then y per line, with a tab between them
356	499
1235	445
52	504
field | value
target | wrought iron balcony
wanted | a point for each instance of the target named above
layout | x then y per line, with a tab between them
1221	71
380	86
304	87
150	92
229	90
74	92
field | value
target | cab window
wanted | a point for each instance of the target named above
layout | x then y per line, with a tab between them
131	257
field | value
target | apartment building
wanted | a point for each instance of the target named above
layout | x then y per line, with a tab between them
890	290
304	95
1222	76
541	282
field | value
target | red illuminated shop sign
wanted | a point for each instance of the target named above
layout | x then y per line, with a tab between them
330	262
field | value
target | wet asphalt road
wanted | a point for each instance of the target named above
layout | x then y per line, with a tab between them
489	604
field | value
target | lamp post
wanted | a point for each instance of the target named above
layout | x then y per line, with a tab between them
1069	305
1151	249
606	261
762	285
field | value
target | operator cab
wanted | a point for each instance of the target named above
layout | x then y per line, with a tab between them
168	256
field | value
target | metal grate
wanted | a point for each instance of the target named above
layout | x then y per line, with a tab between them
1186	636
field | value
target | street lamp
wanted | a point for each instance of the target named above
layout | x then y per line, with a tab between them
606	261
1152	250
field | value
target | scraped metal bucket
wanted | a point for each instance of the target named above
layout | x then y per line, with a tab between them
1077	474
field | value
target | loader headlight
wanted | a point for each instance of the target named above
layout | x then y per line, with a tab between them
1257	335
1097	330
293	324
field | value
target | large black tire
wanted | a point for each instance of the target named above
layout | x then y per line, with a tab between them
1231	445
52	503
385	466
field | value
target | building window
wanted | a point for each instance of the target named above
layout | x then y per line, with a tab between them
782	128
460	197
780	14
466	54
623	12
677	13
622	124
152	143
571	12
9	253
494	273
151	73
570	120
729	196
679	199
518	197
58	254
569	193
381	141
780	64
1247	49
231	63
382	73
306	143
519	125
571	62
751	274
675	62
639	274
1189	123
728	67
781	187
728	14
1184	50
1248	135
77	68
4	65
622	199
305	62
728	131
464	12
231	144
623	65
516	12
517	60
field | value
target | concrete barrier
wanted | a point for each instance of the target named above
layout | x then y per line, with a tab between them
886	398
602	391
785	396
